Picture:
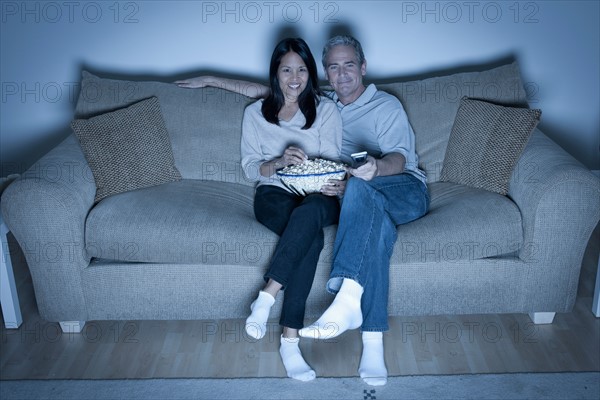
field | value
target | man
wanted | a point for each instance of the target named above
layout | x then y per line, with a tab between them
386	191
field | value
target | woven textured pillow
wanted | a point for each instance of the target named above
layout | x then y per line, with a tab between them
486	142
127	149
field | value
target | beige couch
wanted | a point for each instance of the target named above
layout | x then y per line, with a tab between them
192	249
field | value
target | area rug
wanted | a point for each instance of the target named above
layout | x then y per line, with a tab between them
584	385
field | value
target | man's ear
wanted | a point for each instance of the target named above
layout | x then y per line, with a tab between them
363	68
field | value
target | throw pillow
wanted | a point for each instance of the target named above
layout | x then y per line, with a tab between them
485	144
127	149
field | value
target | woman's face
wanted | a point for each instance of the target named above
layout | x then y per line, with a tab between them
293	76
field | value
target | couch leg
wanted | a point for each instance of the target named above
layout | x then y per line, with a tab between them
9	299
542	317
72	326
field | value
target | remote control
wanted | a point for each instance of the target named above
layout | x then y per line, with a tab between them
359	158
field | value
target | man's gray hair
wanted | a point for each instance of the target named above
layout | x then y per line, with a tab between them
345	40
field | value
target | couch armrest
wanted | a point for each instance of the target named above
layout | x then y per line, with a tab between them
558	199
46	209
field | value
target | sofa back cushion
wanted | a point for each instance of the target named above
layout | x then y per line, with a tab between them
432	104
204	125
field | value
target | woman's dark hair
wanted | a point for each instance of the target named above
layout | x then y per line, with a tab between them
308	99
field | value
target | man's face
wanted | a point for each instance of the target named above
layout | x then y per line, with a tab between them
344	73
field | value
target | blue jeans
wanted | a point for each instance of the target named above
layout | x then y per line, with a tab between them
371	211
299	221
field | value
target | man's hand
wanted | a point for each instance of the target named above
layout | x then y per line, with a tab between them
334	187
367	171
245	88
194	83
390	164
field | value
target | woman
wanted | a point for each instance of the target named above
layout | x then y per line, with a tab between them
292	124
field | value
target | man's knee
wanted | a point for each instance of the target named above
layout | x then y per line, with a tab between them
360	192
356	187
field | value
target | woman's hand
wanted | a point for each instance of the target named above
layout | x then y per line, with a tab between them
292	156
197	82
367	171
334	187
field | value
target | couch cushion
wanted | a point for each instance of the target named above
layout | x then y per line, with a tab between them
204	222
431	105
204	125
463	223
127	149
189	221
486	141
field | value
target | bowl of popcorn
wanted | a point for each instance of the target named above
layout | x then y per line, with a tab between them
311	175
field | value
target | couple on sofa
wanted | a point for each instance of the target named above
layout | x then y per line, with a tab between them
293	122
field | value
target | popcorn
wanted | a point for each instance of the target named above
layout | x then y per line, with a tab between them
316	166
311	175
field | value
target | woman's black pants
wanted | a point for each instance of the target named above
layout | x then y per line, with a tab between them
299	222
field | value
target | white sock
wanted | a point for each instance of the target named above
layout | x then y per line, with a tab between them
293	361
256	323
343	314
372	364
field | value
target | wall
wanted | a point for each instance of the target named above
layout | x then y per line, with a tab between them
45	44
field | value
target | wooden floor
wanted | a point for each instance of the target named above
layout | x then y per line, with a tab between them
414	345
